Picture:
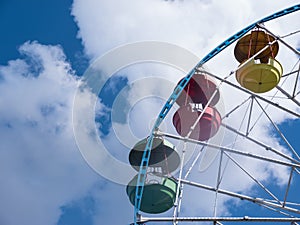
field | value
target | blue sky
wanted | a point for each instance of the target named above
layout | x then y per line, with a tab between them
44	50
49	22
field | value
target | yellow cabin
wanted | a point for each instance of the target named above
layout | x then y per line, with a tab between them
263	72
259	77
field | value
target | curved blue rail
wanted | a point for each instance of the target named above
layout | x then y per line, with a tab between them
168	105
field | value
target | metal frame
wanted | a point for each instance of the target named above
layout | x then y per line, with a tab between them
146	155
220	219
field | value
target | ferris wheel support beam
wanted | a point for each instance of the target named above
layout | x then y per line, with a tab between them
227	149
259	143
278	131
235	108
221	219
288	187
178	89
254	95
296	82
242	197
278	38
290	73
253	178
288	95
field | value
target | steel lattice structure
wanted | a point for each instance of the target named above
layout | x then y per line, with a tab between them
291	162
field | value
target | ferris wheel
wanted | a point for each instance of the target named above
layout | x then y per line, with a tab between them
225	143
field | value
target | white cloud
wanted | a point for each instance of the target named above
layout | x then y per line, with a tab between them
41	168
192	24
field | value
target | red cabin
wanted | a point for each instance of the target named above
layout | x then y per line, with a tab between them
207	127
199	90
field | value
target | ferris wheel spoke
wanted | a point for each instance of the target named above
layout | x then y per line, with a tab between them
219	179
267	147
235	108
294	204
253	178
216	220
291	97
290	73
179	191
278	131
290	34
288	187
194	163
243	196
249	116
255	95
277	210
280	39
296	82
292	163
